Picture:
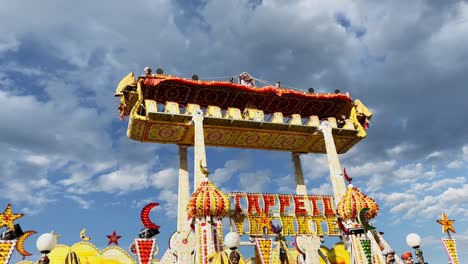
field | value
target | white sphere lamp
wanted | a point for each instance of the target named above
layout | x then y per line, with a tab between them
413	240
46	243
232	240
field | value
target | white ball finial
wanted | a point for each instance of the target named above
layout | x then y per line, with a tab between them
232	240
413	240
46	242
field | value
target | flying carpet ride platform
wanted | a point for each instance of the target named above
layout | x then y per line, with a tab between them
161	106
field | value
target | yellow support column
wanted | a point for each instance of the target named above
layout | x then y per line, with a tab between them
183	241
199	149
184	189
337	180
308	243
300	184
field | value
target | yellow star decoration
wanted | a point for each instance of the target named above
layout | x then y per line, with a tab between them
7	218
264	221
447	225
57	236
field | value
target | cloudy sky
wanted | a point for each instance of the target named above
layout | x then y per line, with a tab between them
67	163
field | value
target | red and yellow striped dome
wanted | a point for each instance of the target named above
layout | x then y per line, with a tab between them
354	201
208	200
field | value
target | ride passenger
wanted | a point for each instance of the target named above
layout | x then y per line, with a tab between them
246	79
341	122
147	71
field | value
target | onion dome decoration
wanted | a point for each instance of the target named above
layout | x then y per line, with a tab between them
208	200
354	201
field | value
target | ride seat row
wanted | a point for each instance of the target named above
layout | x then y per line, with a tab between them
249	113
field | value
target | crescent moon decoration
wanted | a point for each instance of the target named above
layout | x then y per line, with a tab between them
145	220
345	175
362	219
297	247
341	226
132	249
20	243
83	235
203	169
57	236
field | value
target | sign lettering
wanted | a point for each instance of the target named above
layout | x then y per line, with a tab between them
298	214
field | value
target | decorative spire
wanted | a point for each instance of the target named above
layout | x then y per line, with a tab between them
354	201
208	200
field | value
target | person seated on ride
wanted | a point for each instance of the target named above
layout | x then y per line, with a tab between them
246	79
147	71
341	122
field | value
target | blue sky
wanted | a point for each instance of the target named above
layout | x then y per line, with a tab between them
67	163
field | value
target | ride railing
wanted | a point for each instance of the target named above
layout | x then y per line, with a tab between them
152	107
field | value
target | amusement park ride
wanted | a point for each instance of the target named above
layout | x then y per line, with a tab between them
197	113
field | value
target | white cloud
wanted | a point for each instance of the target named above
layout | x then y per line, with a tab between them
431	173
85	204
168	200
40	160
437	185
400	149
24	70
407	204
32	122
323	189
456	195
372	174
314	166
127	178
449	38
165	179
141	203
461	159
5	81
258	181
462	242
399	203
285	184
23	179
222	175
409	172
8	42
434	154
456	164
371	168
465	152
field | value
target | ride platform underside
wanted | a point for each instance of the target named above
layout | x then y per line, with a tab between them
238	116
